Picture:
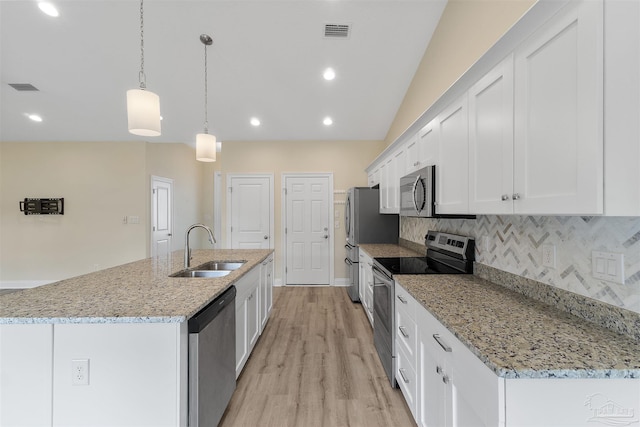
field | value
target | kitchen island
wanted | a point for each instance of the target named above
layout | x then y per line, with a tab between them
127	324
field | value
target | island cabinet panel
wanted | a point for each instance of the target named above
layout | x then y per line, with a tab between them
572	402
25	375
136	374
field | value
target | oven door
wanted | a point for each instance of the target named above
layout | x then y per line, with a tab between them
383	321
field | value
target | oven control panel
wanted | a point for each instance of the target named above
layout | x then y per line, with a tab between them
460	245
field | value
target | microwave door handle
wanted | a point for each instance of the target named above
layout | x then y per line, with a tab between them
415	187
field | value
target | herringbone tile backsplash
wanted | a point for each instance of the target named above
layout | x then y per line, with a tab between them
515	245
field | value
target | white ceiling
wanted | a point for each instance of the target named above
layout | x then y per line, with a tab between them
266	60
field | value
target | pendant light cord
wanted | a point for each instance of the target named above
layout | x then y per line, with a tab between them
141	76
206	114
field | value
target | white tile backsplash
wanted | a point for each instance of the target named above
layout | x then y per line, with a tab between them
515	245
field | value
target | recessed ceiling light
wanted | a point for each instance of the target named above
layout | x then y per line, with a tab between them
255	121
48	8
35	117
328	121
329	74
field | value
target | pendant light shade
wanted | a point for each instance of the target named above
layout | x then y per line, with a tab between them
143	107
143	111
205	147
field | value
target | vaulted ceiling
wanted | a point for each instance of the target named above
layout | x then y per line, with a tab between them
266	61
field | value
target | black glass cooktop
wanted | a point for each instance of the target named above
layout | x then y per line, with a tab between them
416	265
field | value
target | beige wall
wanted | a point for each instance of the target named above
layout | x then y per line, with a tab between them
345	159
101	183
467	29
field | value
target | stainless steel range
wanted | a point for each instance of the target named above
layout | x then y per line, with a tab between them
446	254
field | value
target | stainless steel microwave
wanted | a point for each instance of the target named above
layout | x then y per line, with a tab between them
417	193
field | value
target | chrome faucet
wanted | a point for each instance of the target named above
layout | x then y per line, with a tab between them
187	249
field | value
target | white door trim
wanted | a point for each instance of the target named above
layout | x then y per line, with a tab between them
283	217
269	176
218	184
155	178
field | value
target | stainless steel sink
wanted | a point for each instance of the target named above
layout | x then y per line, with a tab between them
210	269
200	273
220	265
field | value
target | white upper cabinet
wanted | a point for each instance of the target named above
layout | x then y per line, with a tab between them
452	173
491	141
558	153
413	154
428	145
393	167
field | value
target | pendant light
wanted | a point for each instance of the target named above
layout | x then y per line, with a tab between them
143	106
205	143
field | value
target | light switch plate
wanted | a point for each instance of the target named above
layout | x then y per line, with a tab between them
607	266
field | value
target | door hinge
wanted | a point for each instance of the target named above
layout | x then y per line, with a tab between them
154	228
285	230
231	229
154	191
286	269
285	190
230	189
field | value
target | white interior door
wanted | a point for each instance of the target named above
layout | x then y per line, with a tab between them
161	216
307	230
250	212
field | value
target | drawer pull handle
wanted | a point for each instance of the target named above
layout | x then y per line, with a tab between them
404	377
402	300
444	345
445	379
438	370
403	331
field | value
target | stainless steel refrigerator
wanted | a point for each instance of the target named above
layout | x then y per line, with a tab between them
364	224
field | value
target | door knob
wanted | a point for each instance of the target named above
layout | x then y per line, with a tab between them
169	234
516	196
505	197
326	236
266	237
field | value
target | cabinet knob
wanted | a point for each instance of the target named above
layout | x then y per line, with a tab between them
266	237
516	196
505	197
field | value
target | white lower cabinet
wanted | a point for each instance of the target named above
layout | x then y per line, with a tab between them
247	316
450	386
266	291
366	284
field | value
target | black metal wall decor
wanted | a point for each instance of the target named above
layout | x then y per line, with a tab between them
32	206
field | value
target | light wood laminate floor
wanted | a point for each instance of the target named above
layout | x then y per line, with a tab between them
315	365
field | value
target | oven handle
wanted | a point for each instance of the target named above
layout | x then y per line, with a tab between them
415	187
348	261
380	275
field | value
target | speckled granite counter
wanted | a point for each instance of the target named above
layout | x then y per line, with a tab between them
381	250
137	292
518	337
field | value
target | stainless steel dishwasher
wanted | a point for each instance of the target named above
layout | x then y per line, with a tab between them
212	360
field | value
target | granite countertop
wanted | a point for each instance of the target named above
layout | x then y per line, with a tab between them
138	292
381	250
519	337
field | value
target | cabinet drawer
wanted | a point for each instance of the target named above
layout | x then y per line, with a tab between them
405	302
407	380
406	336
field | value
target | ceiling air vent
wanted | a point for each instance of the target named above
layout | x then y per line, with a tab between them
337	31
23	87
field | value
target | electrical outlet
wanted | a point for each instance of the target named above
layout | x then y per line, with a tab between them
80	372
549	256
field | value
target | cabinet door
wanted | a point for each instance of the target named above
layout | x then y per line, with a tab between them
398	170
432	390
453	148
242	342
559	115
253	317
428	145
266	291
413	154
384	185
373	178
491	141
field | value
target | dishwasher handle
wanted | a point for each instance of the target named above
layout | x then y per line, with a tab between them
202	318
